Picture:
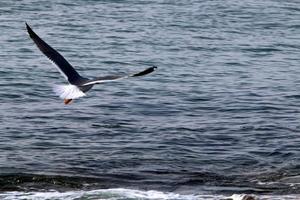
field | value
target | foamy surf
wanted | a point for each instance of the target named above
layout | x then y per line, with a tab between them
122	194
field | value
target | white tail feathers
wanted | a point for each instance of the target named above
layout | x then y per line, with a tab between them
68	91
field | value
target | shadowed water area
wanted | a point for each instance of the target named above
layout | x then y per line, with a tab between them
219	117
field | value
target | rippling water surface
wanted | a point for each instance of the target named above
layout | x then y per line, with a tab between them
220	116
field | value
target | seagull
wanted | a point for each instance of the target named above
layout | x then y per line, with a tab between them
78	85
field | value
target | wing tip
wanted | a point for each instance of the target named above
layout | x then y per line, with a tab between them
153	67
146	71
27	26
29	30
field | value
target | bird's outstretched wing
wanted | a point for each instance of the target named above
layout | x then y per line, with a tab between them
63	66
116	78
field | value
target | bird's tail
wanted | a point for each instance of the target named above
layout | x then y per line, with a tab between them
68	91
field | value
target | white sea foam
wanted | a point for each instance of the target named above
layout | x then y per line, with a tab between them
122	194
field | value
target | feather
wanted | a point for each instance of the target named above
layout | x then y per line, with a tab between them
117	78
68	91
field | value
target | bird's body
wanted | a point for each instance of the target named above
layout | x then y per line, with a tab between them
78	85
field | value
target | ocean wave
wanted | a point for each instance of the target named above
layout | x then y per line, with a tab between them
278	183
129	194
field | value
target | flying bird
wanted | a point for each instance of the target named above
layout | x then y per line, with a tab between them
78	85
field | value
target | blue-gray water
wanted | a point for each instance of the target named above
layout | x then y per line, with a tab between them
219	117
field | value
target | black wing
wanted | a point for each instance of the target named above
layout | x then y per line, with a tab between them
115	78
63	65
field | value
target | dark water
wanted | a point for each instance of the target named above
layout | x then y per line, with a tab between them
219	117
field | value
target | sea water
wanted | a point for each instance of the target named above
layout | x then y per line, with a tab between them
218	119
